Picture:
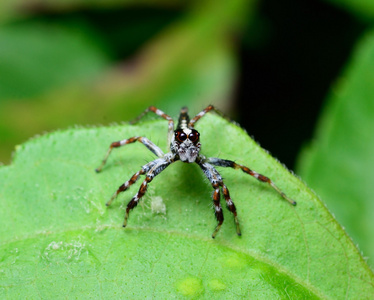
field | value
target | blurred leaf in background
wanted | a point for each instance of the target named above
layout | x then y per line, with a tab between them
61	67
339	164
362	8
36	57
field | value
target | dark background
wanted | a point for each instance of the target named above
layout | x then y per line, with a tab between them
285	79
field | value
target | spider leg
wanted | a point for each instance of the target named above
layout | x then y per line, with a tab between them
216	180
146	142
126	185
231	206
158	166
132	180
162	115
228	163
217	208
202	113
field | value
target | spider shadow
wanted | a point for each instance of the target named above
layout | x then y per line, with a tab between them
191	184
192	179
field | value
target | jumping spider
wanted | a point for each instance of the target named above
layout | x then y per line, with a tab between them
184	145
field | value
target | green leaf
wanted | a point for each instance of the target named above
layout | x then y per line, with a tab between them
11	10
59	240
339	164
37	57
17	9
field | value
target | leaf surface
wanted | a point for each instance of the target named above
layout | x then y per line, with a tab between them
58	239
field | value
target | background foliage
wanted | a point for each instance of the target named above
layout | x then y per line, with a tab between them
274	66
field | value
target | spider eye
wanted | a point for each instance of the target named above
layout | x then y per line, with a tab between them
180	136
194	136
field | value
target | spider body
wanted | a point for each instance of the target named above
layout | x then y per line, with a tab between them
184	145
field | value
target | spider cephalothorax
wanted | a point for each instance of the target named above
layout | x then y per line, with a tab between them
184	145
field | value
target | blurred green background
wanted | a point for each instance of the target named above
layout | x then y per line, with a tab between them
278	68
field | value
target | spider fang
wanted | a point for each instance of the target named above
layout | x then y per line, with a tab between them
184	145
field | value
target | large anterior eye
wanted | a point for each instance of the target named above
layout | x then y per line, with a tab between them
180	136
194	136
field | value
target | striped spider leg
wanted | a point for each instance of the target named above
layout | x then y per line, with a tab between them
217	183
216	180
184	145
206	164
150	170
229	163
